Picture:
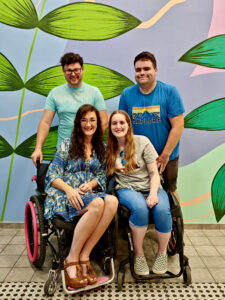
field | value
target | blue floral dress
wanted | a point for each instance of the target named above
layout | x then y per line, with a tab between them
74	173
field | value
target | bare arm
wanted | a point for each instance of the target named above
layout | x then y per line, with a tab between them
177	124
42	133
154	184
71	193
104	120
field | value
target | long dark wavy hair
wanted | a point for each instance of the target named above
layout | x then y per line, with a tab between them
77	138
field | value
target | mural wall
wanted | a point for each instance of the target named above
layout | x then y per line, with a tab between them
188	40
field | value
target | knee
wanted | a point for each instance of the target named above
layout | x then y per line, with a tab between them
97	205
111	202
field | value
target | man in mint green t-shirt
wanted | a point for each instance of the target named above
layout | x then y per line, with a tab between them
65	100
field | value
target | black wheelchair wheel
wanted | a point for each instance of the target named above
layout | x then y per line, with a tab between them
35	232
187	275
172	245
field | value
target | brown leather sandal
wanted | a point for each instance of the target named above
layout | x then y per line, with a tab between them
79	280
91	276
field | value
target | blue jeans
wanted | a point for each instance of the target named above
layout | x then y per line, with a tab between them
136	203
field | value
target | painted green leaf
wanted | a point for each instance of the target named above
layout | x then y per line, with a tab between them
209	116
105	136
18	13
49	148
87	21
9	78
5	148
110	82
218	193
209	53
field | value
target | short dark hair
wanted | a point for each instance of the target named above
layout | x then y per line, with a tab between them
145	55
71	58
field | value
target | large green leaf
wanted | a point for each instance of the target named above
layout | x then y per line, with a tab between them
209	53
49	148
5	148
110	82
87	21
9	78
18	13
218	193
210	116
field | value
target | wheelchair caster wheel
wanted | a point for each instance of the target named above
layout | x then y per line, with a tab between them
187	275
120	280
51	283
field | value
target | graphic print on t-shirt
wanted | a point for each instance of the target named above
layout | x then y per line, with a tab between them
146	115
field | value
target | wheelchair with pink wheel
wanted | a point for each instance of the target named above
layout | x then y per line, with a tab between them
57	235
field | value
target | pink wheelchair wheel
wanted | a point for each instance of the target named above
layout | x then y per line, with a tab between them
31	231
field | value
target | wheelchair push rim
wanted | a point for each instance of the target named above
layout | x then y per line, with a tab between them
31	237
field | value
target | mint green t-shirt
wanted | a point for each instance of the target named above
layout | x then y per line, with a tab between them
66	101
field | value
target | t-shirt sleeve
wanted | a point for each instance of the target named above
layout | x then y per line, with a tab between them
50	102
149	153
99	100
175	105
122	103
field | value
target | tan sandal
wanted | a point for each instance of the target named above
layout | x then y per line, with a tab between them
79	280
91	276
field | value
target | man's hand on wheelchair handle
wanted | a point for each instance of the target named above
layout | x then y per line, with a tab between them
37	154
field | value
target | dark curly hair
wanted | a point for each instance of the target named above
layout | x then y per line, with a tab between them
71	58
145	55
77	145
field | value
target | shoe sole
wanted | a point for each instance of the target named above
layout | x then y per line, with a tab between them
159	272
141	273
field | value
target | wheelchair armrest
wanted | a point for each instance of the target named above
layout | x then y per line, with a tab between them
174	205
41	173
111	185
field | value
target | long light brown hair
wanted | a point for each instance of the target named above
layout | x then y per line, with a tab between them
77	146
112	147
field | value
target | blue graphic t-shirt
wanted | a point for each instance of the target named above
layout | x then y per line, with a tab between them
150	113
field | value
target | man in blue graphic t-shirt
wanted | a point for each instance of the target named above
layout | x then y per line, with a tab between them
65	100
156	110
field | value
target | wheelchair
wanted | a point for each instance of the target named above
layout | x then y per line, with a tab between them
40	233
175	246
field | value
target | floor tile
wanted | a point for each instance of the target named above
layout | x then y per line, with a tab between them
194	232
214	262
207	251
3	273
201	275
21	232
187	241
8	231
2	247
13	249
196	262
213	232
40	275
217	240
221	250
190	251
19	274
5	239
17	240
218	274
8	260
200	240
23	262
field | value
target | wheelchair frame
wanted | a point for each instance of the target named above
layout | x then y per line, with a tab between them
176	245
38	233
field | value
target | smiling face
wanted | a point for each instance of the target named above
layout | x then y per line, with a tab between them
119	125
73	74
145	73
89	123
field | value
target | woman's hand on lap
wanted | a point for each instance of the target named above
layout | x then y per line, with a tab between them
152	200
73	196
85	188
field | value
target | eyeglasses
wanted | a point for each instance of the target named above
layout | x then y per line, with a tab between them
123	159
75	71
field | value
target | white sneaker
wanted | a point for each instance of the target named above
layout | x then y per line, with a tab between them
140	265
160	264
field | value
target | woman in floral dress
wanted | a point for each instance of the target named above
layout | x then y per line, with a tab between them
75	186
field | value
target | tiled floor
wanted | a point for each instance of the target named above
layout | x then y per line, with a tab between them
204	248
